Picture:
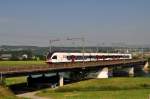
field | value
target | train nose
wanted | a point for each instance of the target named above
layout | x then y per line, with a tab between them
48	61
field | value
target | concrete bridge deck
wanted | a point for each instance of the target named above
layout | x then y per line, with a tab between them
10	71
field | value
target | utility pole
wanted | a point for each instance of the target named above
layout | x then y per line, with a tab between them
50	44
142	53
83	46
103	46
97	50
83	41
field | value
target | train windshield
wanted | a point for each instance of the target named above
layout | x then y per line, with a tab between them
54	57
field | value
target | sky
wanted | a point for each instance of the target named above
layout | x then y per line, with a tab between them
35	22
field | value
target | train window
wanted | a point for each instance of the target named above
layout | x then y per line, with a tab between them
126	56
68	57
54	57
81	57
94	57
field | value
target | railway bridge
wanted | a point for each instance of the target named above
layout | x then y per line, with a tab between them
60	68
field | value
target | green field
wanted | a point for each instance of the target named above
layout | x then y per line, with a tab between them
112	88
21	63
120	94
15	80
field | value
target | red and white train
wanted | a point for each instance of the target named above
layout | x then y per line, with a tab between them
58	57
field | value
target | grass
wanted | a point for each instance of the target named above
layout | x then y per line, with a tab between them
19	63
119	94
107	84
112	88
15	80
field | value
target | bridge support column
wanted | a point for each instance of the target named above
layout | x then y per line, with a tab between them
103	73
61	80
29	81
145	68
2	79
131	71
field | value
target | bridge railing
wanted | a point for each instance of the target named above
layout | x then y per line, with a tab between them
33	68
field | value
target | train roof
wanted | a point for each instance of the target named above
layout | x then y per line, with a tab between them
89	52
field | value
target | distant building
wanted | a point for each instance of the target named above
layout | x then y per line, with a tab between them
5	56
147	54
24	56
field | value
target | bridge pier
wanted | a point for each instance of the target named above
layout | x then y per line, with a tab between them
131	71
124	71
146	66
103	73
2	79
61	79
29	80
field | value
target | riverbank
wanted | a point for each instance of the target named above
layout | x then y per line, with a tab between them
112	88
5	93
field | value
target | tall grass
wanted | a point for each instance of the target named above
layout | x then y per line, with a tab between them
5	93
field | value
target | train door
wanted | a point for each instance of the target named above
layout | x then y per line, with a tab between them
97	57
103	57
72	58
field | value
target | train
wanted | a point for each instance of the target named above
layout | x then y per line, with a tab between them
63	57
